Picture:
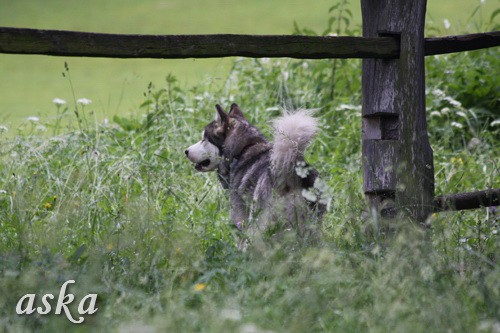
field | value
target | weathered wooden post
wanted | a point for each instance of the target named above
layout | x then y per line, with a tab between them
397	157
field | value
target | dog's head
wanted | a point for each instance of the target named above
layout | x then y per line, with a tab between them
207	153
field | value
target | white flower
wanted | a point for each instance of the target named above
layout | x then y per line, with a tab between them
438	93
321	186
447	24
435	114
84	101
3	128
445	110
457	125
495	122
309	195
265	60
343	107
3	192
58	101
33	119
301	169
41	128
453	102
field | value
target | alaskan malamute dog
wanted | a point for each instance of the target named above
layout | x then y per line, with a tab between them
265	180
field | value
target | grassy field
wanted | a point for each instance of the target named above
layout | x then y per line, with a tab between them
118	208
30	83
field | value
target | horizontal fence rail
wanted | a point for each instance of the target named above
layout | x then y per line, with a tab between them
461	43
69	43
84	44
468	200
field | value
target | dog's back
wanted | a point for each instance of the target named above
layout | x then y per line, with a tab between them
264	184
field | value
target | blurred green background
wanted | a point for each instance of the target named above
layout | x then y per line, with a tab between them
29	83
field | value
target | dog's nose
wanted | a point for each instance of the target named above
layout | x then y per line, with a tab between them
186	152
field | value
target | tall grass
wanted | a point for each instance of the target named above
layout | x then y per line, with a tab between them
116	206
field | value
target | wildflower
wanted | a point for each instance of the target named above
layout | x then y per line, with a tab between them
58	101
3	128
457	160
41	128
265	60
200	286
438	93
309	195
453	101
83	101
301	169
435	114
457	125
47	205
343	107
3	192
447	24
33	119
495	122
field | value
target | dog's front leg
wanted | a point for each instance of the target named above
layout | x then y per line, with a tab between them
238	210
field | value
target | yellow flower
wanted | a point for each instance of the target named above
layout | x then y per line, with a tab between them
200	286
457	160
47	205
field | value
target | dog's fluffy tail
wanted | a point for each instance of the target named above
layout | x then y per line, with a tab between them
292	134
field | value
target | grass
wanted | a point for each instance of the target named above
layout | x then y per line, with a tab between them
31	82
117	207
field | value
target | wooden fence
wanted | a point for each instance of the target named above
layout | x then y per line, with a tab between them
397	157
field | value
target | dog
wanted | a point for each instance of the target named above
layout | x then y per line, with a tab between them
267	181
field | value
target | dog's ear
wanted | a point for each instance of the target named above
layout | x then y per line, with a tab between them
221	117
236	112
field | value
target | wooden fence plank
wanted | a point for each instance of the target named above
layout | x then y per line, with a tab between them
69	43
469	200
451	44
84	44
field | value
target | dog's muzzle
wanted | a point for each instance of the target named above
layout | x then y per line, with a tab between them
203	155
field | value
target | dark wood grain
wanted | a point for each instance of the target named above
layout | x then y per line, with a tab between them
468	200
394	110
83	44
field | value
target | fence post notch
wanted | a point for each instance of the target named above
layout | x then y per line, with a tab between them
397	157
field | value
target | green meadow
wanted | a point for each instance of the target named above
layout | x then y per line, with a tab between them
115	205
30	83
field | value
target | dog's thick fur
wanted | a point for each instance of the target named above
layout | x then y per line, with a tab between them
261	176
